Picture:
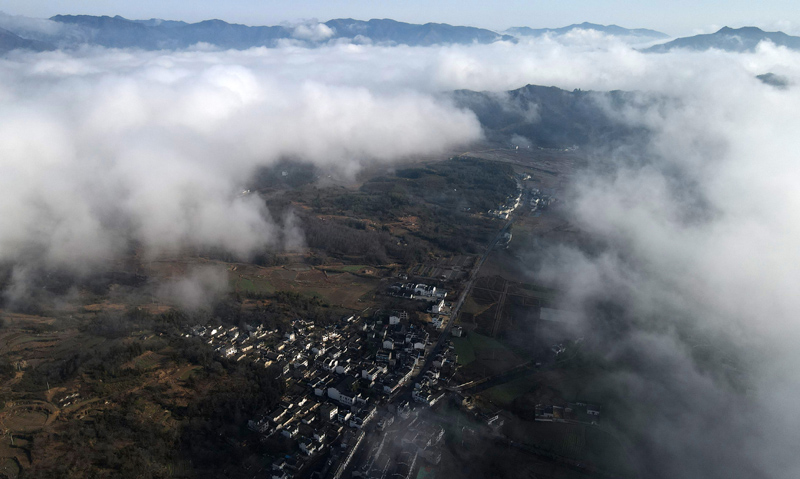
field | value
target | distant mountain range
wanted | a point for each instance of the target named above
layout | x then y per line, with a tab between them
155	34
118	32
729	39
607	29
72	31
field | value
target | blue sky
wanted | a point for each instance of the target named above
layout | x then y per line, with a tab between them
676	17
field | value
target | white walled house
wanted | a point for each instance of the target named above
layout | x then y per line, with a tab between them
424	290
438	307
329	364
343	391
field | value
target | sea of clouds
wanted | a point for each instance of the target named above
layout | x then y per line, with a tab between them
101	149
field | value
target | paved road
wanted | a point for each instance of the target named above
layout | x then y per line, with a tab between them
499	313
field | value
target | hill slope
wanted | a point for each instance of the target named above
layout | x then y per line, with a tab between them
550	117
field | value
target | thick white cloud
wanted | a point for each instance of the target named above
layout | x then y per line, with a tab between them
313	31
102	146
702	228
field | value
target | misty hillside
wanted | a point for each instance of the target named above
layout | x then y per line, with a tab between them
772	79
549	117
607	29
743	39
10	41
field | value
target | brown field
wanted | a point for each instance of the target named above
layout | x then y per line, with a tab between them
346	289
28	416
25	420
35	348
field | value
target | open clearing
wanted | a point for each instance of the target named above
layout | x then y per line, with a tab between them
27	417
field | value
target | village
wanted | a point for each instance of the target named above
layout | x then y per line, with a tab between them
343	382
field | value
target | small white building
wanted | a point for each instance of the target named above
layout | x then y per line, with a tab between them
438	307
424	290
343	391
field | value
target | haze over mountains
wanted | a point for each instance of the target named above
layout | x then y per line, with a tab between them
156	34
730	39
606	29
67	31
71	31
10	41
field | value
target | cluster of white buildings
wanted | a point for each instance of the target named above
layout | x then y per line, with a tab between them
338	378
417	291
504	211
539	200
234	342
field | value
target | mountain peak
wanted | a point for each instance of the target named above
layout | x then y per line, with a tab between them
747	30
